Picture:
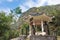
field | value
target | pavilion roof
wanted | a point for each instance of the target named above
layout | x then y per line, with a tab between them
42	17
38	18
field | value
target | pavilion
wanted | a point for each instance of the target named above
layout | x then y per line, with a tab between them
39	19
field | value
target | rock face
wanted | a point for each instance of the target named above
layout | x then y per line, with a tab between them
35	37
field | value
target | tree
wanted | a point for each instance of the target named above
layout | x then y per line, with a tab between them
16	14
16	11
55	27
24	29
5	22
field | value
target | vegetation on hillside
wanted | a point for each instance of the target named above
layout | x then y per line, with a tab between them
7	30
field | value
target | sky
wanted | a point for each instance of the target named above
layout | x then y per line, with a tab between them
6	5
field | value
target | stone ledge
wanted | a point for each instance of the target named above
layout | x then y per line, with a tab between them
35	37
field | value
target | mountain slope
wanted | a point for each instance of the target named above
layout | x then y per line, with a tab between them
49	10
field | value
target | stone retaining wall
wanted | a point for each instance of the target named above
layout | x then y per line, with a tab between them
35	37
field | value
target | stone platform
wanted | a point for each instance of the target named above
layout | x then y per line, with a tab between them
35	37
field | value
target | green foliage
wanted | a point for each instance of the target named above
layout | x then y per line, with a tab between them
5	27
13	34
4	22
16	13
25	29
17	10
6	32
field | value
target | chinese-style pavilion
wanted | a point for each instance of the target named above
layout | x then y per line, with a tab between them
39	19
